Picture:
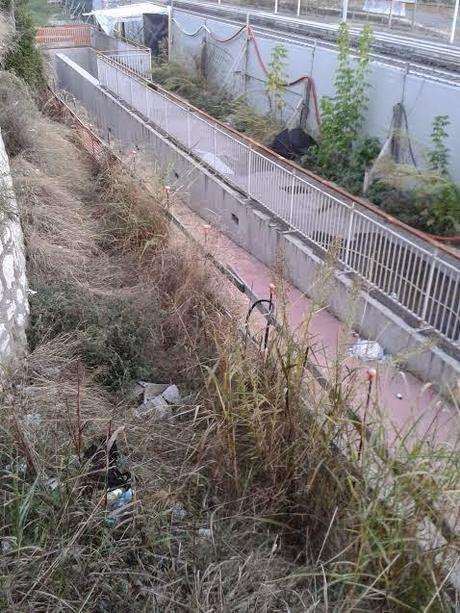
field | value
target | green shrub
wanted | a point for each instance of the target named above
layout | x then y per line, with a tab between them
24	58
349	175
342	154
112	337
433	207
400	203
440	203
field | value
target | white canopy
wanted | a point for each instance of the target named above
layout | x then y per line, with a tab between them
108	18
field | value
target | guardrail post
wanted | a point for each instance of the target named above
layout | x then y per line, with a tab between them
146	102
291	206
249	168
349	234
214	138
298	7
189	139
429	287
131	90
166	114
116	81
276	7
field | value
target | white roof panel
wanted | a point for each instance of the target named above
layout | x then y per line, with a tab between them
108	18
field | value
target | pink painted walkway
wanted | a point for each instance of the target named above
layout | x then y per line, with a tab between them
420	410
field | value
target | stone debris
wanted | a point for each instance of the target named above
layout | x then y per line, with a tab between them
179	512
7	544
205	533
158	400
368	351
152	390
18	467
53	483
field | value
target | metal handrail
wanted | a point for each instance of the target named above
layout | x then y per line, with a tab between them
413	274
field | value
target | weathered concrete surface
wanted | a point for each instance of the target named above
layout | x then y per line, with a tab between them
252	227
14	308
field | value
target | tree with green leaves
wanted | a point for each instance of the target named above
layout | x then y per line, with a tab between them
343	153
342	116
438	156
24	58
276	80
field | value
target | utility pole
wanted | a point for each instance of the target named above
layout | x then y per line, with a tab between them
170	30
12	15
246	57
454	22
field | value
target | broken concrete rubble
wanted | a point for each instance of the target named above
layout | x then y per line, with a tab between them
157	400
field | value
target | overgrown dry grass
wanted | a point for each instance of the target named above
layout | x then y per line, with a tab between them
198	91
62	239
6	37
133	220
255	496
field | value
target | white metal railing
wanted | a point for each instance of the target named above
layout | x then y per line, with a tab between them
138	61
410	272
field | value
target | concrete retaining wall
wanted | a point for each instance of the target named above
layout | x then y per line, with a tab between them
249	225
86	56
14	308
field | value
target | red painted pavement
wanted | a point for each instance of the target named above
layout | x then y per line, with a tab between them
408	404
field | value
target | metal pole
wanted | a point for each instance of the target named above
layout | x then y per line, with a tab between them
349	234
13	15
298	7
429	287
170	24
166	114
391	14
345	11
189	139
414	14
291	206
454	22
249	169
246	57
276	7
